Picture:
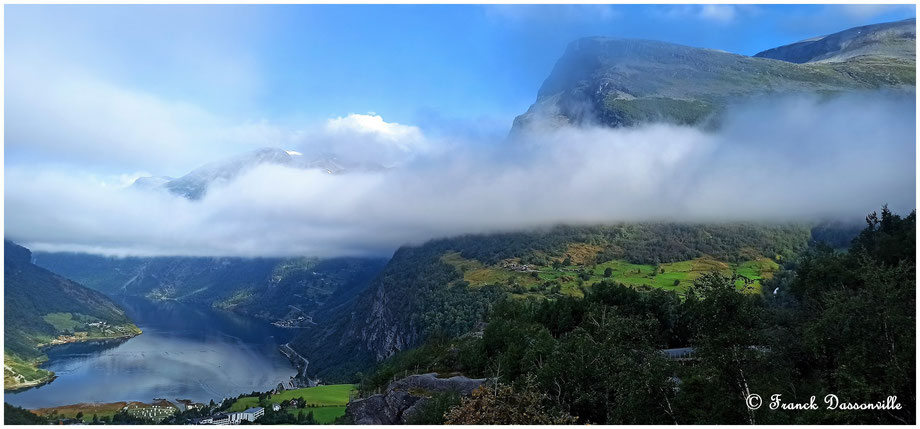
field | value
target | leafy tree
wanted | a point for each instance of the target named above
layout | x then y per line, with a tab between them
858	318
20	416
729	348
503	405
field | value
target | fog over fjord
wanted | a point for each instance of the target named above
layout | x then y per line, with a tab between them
773	160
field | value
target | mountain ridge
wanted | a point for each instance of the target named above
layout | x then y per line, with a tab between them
886	39
617	82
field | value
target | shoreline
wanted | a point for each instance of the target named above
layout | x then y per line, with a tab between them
21	387
300	363
74	339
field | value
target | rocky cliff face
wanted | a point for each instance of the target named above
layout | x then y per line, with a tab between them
408	301
402	398
384	332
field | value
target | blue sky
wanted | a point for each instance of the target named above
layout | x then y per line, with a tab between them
441	68
97	96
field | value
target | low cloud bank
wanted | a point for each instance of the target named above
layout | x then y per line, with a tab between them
779	160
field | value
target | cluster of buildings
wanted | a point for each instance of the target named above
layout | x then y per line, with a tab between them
250	415
159	410
514	266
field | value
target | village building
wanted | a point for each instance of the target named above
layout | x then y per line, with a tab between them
220	419
250	415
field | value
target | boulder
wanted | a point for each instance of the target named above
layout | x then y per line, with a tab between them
403	397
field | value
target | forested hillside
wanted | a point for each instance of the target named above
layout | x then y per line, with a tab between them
42	308
840	323
445	287
287	291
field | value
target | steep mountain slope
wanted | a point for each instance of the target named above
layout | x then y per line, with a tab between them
625	82
896	40
287	291
42	308
445	287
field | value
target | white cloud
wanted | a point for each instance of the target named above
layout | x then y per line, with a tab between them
715	13
365	139
63	115
869	11
529	14
402	137
777	160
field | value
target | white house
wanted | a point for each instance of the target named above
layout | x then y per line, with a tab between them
252	414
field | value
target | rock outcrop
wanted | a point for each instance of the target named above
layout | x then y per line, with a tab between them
405	396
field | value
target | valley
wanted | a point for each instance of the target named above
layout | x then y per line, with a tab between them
185	351
596	319
286	291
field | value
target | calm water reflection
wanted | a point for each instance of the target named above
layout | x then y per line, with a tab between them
186	351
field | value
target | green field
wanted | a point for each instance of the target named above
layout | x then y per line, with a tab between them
326	402
244	403
18	372
674	276
63	321
333	394
324	415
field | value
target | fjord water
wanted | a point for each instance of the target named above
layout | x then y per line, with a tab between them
186	351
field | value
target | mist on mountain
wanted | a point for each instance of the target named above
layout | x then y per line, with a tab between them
773	159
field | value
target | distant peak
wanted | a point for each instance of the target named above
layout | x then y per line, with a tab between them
888	39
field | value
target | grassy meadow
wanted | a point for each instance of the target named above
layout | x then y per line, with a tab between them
326	402
579	271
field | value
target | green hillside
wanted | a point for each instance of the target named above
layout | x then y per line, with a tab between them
834	322
446	287
327	403
42	308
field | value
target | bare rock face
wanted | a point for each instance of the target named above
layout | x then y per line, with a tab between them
403	397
